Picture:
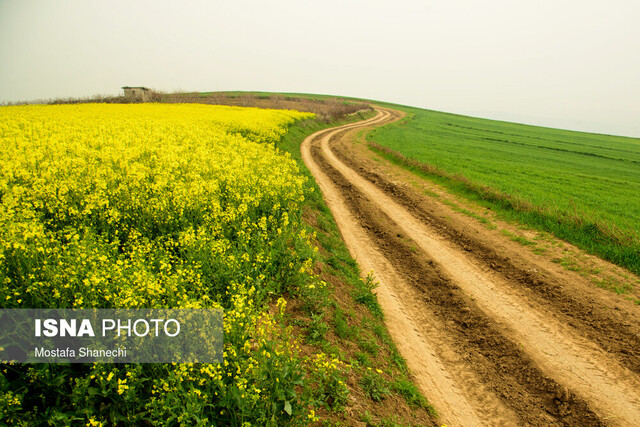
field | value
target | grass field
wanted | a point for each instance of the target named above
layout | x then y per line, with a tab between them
583	187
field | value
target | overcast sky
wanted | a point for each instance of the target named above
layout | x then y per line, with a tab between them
569	64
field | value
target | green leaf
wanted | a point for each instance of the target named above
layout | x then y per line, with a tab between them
287	407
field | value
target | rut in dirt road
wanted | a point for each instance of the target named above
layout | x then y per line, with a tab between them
480	351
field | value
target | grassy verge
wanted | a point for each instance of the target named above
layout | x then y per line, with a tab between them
530	178
346	323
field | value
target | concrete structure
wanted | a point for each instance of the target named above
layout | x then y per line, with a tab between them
138	93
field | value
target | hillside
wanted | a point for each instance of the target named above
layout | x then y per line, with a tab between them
377	265
582	187
105	205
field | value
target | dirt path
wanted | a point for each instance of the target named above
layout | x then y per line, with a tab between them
488	341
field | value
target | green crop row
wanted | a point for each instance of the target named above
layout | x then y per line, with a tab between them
583	187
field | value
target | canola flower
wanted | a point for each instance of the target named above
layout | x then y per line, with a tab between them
155	205
91	192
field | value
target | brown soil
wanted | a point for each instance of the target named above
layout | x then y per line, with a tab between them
493	333
324	109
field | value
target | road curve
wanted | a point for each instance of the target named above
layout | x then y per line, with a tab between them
482	351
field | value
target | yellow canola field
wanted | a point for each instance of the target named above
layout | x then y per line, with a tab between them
90	192
156	205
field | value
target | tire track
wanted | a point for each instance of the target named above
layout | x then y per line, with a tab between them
596	313
582	373
434	379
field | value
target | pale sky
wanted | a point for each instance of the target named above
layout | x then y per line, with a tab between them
568	64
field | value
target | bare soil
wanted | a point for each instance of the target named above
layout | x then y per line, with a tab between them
493	333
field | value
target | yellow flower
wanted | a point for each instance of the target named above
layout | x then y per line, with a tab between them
144	206
122	386
93	423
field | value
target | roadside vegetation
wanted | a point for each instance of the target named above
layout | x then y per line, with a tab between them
579	186
349	323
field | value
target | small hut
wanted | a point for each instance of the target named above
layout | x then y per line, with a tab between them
139	93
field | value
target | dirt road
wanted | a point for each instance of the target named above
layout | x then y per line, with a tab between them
493	334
